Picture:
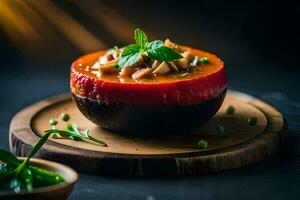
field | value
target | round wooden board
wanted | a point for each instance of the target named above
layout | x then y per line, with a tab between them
167	155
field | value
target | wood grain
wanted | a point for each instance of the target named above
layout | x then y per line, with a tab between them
168	155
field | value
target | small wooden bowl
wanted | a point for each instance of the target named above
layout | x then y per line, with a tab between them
57	192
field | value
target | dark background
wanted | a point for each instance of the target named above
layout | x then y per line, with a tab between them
258	40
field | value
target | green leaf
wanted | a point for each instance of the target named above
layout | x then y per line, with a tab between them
7	157
75	130
38	145
163	54
74	133
140	37
131	49
35	149
87	134
126	61
69	127
154	45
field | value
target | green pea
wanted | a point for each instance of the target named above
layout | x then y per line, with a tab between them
221	132
204	60
230	110
64	116
252	121
55	136
202	144
117	66
53	122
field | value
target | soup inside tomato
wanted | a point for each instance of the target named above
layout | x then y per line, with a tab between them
85	65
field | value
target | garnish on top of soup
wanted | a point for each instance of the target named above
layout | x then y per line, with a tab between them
146	60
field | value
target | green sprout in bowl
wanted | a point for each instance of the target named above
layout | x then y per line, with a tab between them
18	175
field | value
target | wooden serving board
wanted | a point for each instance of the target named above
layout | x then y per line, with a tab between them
167	155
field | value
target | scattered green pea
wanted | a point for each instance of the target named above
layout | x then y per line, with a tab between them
221	132
202	144
117	66
55	136
204	60
64	116
252	121
53	122
230	110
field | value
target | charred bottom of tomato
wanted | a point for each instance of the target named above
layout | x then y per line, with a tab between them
158	120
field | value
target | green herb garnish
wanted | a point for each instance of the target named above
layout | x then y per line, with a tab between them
73	133
155	50
230	110
222	132
204	60
20	175
252	121
64	116
202	144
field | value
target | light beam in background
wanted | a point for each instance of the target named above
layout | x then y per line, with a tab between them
42	30
120	27
72	30
115	24
20	31
51	40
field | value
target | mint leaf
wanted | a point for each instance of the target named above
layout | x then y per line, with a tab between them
163	54
140	37
126	61
155	50
131	49
154	44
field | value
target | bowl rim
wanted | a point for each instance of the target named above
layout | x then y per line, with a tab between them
33	161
